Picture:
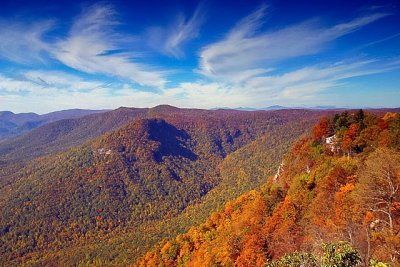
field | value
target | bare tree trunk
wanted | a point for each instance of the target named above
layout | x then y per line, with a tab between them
366	261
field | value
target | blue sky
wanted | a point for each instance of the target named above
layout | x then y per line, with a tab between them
58	55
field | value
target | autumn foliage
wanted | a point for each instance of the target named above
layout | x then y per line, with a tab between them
107	200
211	188
339	209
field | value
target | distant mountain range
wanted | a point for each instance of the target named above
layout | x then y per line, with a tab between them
278	107
12	124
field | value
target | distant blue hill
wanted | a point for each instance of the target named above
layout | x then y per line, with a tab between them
278	107
12	124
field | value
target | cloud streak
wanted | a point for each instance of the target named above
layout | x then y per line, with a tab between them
170	40
48	91
309	80
92	44
24	43
244	49
41	83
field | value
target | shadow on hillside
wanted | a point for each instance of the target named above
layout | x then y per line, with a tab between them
173	142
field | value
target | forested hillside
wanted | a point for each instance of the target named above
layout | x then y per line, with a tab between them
335	201
51	138
181	187
63	134
109	199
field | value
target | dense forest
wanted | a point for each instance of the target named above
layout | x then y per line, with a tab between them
334	202
177	187
111	198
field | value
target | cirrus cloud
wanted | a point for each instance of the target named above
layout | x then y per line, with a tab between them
92	44
244	48
170	40
24	43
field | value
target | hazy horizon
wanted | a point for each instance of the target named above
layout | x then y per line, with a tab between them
273	107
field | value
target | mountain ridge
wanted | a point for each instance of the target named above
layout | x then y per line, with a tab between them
14	124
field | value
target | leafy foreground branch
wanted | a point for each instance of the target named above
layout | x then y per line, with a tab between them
339	254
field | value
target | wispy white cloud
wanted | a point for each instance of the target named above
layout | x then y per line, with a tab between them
11	86
24	42
170	40
373	43
310	80
91	44
48	91
245	48
307	85
61	81
41	83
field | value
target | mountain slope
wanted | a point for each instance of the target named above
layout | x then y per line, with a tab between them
342	192
140	175
62	134
265	154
